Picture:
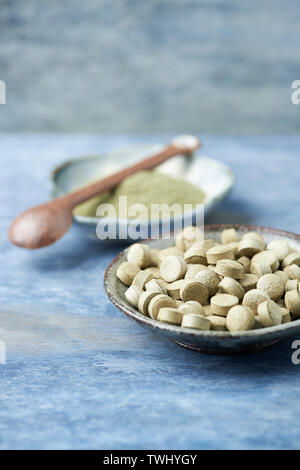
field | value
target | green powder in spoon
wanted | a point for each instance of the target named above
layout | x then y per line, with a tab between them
146	187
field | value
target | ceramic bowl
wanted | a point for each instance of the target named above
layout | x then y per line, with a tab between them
215	178
216	342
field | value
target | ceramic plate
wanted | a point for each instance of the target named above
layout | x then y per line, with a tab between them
215	178
217	342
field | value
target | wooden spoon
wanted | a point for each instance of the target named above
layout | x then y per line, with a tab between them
45	224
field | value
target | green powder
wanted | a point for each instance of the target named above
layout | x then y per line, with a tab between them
146	187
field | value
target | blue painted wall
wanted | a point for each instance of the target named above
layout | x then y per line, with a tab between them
214	66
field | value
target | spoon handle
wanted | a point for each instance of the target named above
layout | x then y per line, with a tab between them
180	145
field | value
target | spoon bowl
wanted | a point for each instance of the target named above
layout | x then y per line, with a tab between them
42	225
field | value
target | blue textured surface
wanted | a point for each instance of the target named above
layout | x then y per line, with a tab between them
80	375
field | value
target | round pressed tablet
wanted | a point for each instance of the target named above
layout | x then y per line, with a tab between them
212	267
222	303
133	294
272	285
126	272
230	268
188	236
193	320
240	318
269	313
292	302
257	323
283	276
155	285
204	245
193	269
286	316
191	306
194	290
173	288
246	262
145	300
158	302
291	284
155	272
255	236
254	297
216	253
292	258
249	247
217	323
209	279
141	279
170	251
194	256
155	261
281	248
163	283
140	255
173	268
207	310
248	281
228	236
267	257
231	286
259	268
169	315
293	271
234	247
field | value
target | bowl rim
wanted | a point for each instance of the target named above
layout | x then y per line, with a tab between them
93	221
132	313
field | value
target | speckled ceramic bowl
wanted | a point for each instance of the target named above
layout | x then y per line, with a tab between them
213	177
216	342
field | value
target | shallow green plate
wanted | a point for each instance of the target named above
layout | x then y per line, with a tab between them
215	178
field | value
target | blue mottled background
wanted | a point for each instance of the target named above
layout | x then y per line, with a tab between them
111	73
132	66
